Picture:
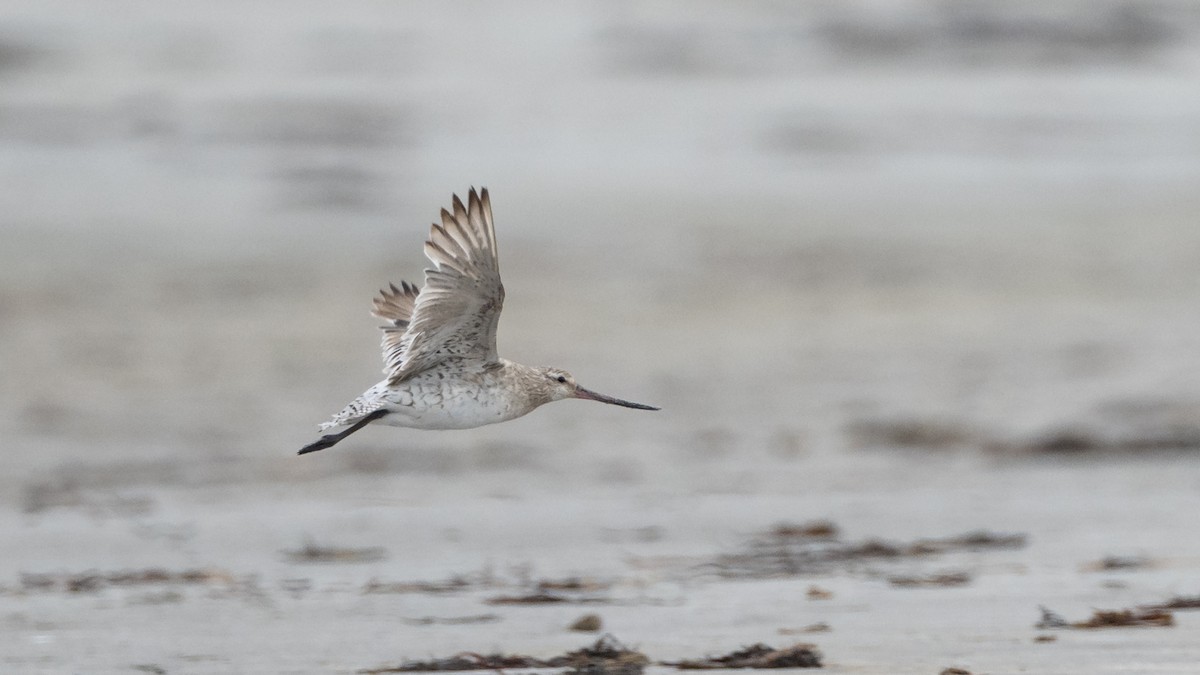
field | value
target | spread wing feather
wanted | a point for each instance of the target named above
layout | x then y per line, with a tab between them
455	313
395	305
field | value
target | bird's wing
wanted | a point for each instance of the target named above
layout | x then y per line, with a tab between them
395	306
456	311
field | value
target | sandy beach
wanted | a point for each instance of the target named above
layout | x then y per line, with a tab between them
915	287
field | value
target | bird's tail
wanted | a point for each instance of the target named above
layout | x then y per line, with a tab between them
355	410
331	440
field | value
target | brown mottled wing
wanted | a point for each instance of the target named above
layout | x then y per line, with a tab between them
456	312
395	305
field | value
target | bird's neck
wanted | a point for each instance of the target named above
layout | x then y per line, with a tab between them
530	382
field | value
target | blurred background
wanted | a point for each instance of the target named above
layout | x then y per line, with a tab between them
913	266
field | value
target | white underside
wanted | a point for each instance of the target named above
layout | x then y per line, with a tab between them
468	414
429	403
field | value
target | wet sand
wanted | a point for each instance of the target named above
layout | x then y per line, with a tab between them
910	294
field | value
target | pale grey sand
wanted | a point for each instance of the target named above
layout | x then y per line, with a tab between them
811	234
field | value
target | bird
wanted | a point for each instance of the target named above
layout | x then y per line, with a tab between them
439	342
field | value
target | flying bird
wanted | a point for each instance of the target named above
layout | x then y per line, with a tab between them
439	342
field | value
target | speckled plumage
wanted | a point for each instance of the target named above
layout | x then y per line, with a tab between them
439	342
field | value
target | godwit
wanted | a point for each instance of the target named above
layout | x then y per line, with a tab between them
439	344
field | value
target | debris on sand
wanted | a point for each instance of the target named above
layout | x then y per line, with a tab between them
546	591
1045	638
454	584
1119	426
461	662
312	552
1122	618
529	599
1066	441
982	539
1127	617
820	627
575	590
817	593
92	581
1050	619
588	623
931	580
1113	563
572	584
606	656
453	620
466	581
955	671
1178	602
813	529
783	551
977	540
907	433
799	655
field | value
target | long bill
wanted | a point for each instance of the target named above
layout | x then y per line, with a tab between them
589	395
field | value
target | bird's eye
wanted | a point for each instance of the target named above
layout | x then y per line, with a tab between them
561	379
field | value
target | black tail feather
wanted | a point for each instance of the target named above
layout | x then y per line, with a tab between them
330	440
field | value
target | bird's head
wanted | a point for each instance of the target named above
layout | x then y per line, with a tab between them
561	384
